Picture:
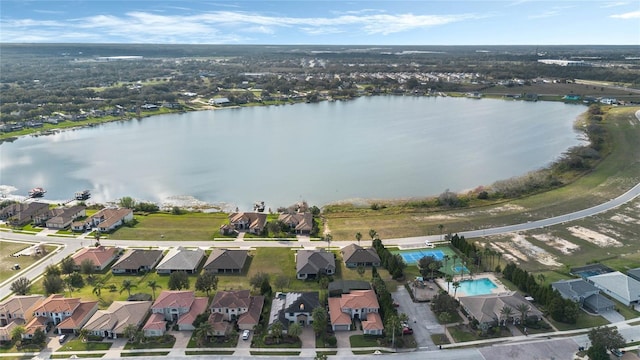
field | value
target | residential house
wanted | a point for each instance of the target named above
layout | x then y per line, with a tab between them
16	311
301	223
111	323
584	293
619	286
179	307
359	305
487	309
100	256
20	214
61	218
136	261
313	263
106	220
355	255
67	314
220	101
181	259
223	261
253	222
235	306
634	273
339	287
293	307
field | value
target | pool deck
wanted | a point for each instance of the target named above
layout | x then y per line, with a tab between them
500	289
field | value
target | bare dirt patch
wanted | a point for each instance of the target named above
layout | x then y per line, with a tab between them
593	237
433	217
625	219
509	252
562	245
534	252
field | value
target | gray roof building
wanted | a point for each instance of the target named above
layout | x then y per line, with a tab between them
488	308
584	293
311	263
136	261
355	255
226	261
619	286
181	259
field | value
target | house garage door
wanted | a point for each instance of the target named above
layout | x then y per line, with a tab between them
341	327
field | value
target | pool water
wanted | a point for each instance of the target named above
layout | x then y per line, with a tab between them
475	287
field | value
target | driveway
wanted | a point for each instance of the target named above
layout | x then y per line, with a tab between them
308	338
612	316
421	318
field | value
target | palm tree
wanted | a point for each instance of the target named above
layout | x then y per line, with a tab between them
541	278
68	284
444	319
153	285
127	285
97	287
83	334
453	267
276	331
294	330
373	234
433	266
523	309
448	278
358	237
329	237
440	227
130	332
487	255
507	312
456	285
202	333
445	259
17	332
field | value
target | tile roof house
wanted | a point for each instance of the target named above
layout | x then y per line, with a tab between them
137	260
238	306
252	222
111	323
19	214
355	255
293	307
226	261
61	218
584	293
177	306
487	308
106	220
181	259
100	256
16	311
619	286
359	304
301	223
67	314
311	263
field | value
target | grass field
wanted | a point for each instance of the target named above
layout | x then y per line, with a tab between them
7	261
79	345
192	226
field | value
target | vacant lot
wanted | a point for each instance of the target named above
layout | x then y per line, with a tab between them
7	248
192	226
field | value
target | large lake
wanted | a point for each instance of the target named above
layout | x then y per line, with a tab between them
372	147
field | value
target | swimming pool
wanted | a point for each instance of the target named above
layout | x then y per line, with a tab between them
475	287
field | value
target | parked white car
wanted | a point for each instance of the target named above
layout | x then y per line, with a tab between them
245	335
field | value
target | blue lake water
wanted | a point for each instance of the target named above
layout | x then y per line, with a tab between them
370	148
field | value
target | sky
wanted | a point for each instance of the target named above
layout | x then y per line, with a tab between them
323	22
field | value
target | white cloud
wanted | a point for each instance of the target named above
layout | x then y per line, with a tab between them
614	4
626	16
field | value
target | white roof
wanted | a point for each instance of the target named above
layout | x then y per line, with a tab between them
618	283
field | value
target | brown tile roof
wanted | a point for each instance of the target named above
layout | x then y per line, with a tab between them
218	323
58	303
373	322
335	313
357	254
99	255
252	316
111	216
255	220
156	322
80	316
231	299
301	222
198	307
226	259
38	322
359	299
174	299
137	258
20	304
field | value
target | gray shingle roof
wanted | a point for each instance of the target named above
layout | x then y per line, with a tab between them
357	254
574	288
226	259
311	261
137	258
181	259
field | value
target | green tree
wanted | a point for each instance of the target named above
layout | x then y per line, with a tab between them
320	356
265	288
523	309
53	284
21	286
202	332
320	320
153	285
392	328
127	285
130	332
373	234
127	202
440	227
598	352
276	331
206	282
87	267
178	280
281	282
444	318
506	312
358	237
67	265
97	287
53	269
257	279
83	334
294	330
456	286
39	337
434	266
68	284
448	278
17	332
361	270
607	337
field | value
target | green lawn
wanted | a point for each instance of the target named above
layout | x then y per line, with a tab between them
151	343
190	226
144	353
584	321
209	352
357	341
7	261
66	356
274	353
231	342
79	345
